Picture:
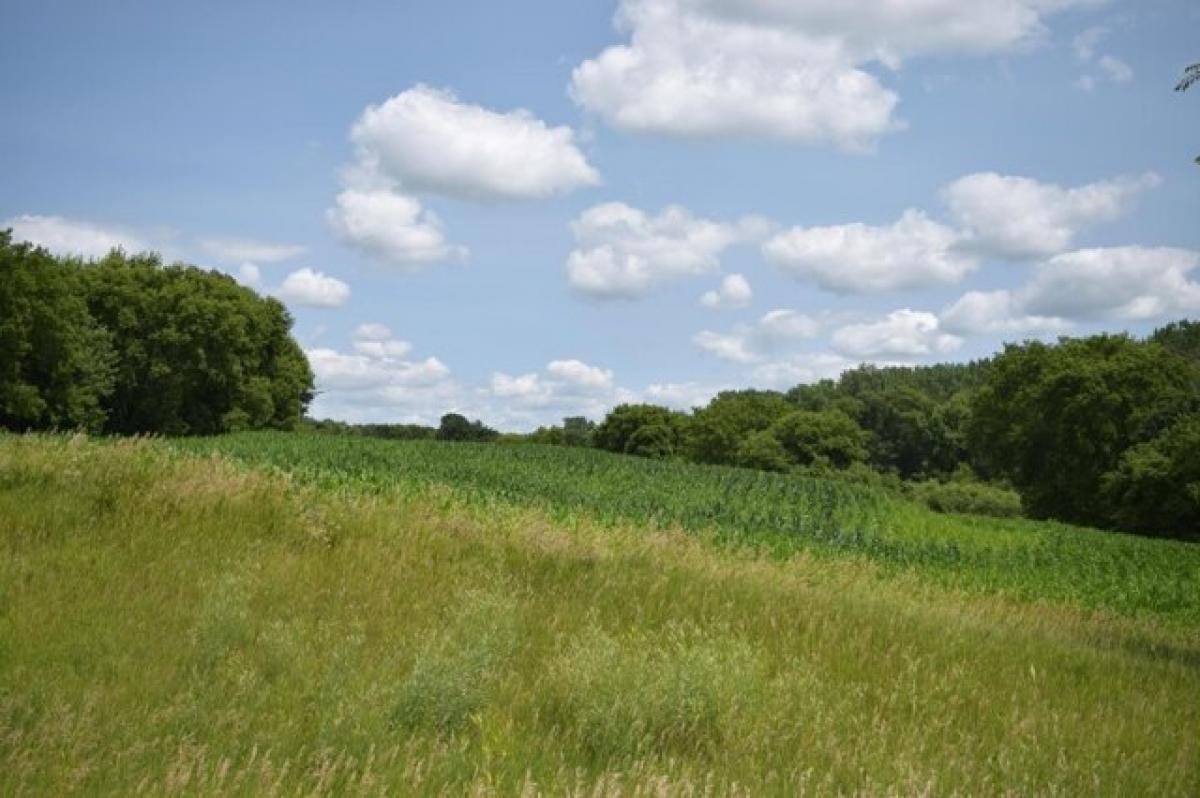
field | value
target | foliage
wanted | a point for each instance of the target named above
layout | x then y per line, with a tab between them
1055	419
973	498
455	427
1155	487
128	346
56	363
829	437
763	451
716	431
623	422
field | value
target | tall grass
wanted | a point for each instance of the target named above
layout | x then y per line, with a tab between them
784	514
173	624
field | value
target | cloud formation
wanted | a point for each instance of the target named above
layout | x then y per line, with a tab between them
902	334
913	252
1018	217
786	69
391	227
733	293
430	142
313	289
622	252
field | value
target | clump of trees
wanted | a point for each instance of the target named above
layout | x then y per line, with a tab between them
128	345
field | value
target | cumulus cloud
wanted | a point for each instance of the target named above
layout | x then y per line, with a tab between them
686	72
622	252
428	141
750	343
1124	283
787	69
566	387
391	227
856	258
996	313
72	237
800	368
313	289
726	346
1018	217
237	250
734	292
902	334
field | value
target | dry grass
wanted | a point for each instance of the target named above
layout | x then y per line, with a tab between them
182	626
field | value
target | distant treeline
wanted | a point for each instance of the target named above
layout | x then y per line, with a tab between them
453	427
1103	431
126	345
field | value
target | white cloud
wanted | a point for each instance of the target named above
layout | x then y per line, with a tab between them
72	237
750	343
338	371
733	346
249	275
690	73
1124	283
621	252
782	326
567	387
995	313
1017	217
788	69
313	289
902	334
734	292
391	227
913	252
236	250
428	141
890	30
1086	42
800	368
680	395
580	375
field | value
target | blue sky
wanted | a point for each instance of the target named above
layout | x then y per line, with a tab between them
516	210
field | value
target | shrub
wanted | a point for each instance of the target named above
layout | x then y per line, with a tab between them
968	498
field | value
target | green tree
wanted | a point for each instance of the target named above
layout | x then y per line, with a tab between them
56	363
196	352
1055	419
1155	488
456	427
717	431
828	438
656	441
622	422
762	451
1191	76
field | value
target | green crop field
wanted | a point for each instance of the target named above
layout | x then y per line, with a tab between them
289	614
780	513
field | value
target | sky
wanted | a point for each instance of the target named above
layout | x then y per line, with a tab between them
535	209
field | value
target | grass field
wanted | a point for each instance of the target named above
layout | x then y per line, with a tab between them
420	619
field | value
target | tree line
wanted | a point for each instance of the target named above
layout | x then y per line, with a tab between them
1102	431
126	345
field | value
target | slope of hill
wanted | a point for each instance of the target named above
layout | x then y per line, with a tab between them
172	623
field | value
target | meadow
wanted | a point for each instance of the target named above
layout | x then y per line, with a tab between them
285	614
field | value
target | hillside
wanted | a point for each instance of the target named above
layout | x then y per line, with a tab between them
430	619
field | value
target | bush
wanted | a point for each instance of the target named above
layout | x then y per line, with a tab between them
968	498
